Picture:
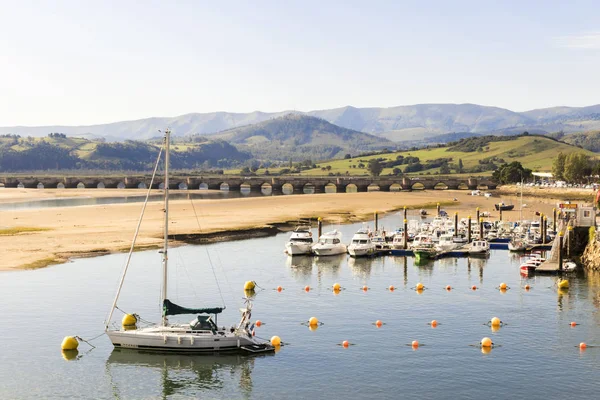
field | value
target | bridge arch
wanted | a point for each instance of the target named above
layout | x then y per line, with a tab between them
330	188
121	185
395	187
142	185
81	185
351	188
100	185
182	186
373	187
287	188
203	186
309	188
266	188
463	186
224	186
40	185
417	186
60	185
440	186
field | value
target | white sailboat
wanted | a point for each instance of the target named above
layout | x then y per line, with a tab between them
201	335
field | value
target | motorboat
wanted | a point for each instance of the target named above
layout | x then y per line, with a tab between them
361	244
300	241
425	251
517	245
479	247
379	242
504	207
447	243
201	335
398	242
329	244
420	239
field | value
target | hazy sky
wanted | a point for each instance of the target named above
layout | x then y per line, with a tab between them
86	62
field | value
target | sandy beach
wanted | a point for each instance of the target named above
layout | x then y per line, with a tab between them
33	238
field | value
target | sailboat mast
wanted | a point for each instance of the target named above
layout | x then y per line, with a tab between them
166	233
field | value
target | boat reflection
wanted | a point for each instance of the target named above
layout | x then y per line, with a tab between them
329	264
183	375
361	267
300	266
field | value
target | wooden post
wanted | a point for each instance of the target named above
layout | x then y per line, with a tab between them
405	234
438	209
319	227
545	229
477	217
455	224
500	210
469	231
481	229
569	240
554	220
560	251
376	221
405	212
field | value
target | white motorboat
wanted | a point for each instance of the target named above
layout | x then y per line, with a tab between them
517	245
361	244
447	243
329	244
379	242
300	241
420	239
202	335
479	247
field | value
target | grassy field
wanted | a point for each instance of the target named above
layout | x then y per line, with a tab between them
533	152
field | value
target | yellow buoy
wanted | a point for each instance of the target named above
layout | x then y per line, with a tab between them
313	328
503	286
563	284
128	320
337	286
276	341
495	321
313	321
69	343
420	286
486	342
249	285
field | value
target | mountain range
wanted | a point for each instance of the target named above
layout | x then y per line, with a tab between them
399	124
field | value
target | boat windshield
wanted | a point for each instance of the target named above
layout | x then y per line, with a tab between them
360	241
301	240
329	241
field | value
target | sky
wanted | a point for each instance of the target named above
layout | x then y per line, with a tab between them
80	62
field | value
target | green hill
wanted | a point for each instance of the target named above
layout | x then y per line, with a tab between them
300	137
479	155
58	151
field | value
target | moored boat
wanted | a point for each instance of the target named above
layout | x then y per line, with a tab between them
300	241
361	244
330	244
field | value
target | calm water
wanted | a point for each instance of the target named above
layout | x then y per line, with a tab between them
537	357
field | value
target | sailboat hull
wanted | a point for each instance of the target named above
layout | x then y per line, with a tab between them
154	339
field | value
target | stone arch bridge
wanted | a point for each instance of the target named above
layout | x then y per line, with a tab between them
256	183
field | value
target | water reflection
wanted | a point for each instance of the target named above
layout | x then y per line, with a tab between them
300	267
178	374
361	267
328	265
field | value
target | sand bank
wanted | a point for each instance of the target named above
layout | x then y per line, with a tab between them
99	229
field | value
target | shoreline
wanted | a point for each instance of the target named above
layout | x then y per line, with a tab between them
86	231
